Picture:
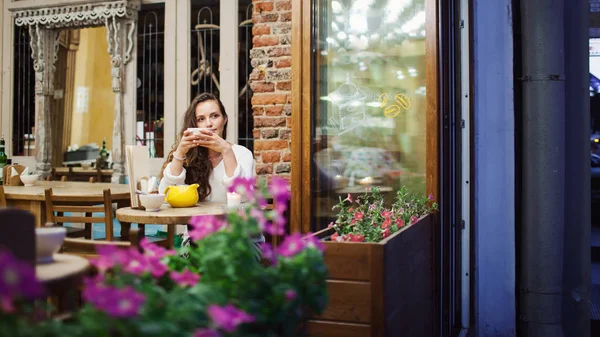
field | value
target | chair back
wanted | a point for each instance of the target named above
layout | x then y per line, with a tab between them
17	233
12	181
80	204
3	202
88	248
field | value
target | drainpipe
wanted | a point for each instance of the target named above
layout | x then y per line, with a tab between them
543	168
577	262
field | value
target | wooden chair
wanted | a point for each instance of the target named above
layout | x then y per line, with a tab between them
3	202
78	204
12	181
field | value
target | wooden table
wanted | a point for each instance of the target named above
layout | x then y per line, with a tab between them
85	173
63	275
167	215
32	198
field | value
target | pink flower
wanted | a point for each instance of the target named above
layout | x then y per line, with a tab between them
330	225
291	245
6	304
386	223
228	317
399	222
312	241
206	333
185	278
153	250
358	238
204	225
431	197
372	207
279	189
386	233
386	214
413	219
334	236
349	198
358	216
290	295
109	257
268	253
243	186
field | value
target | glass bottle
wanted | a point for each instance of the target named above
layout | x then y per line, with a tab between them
104	154
3	158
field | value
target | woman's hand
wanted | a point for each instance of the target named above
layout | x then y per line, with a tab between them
188	141
213	141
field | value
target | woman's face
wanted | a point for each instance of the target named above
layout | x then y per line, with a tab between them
208	115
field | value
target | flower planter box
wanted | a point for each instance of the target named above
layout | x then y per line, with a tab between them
380	289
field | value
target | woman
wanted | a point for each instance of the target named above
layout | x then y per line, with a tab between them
206	158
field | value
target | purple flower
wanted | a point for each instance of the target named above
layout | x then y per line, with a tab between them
206	333
314	242
119	303
204	225
228	317
17	279
109	257
291	245
290	295
185	278
6	304
243	186
280	189
431	197
268	253
259	216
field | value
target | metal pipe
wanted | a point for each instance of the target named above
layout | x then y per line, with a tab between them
577	261
543	152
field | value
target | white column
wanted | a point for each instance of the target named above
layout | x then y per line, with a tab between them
228	75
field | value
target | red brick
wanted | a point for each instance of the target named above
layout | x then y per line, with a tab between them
264	169
285	85
285	134
274	110
265	40
283	5
276	144
258	111
286	156
269	122
261	30
265	17
262	86
270	156
289	122
279	51
266	99
283	62
263	7
269	133
256	134
284	17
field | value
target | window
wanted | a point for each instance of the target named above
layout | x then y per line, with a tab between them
246	119
368	122
150	82
23	135
204	42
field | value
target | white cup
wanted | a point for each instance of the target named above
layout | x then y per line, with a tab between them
196	131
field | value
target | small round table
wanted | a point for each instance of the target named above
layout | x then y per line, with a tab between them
62	275
167	215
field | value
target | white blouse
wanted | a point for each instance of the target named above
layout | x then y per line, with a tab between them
218	180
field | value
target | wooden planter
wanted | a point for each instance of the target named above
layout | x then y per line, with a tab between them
380	289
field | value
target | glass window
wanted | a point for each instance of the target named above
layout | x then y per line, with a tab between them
245	117
204	41
368	102
151	79
23	141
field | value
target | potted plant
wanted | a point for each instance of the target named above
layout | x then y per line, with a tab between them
380	261
215	287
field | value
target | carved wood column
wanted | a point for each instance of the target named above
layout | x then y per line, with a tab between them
119	33
44	50
72	47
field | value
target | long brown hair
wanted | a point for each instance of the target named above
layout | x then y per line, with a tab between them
198	167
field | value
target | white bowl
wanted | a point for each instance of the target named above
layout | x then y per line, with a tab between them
86	166
29	180
152	202
48	241
196	131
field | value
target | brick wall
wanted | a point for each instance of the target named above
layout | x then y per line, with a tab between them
271	83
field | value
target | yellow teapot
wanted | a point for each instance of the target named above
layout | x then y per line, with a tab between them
182	195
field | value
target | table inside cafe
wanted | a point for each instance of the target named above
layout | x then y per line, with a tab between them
167	215
31	198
